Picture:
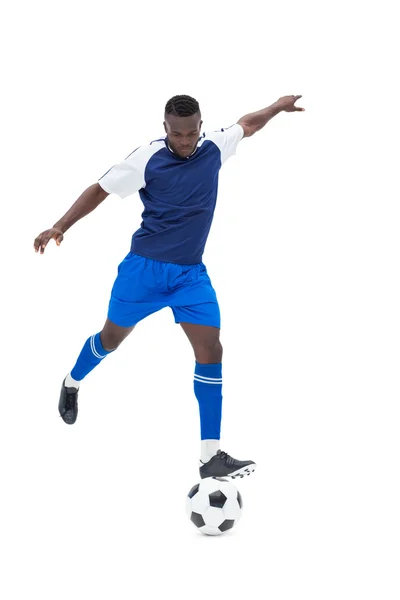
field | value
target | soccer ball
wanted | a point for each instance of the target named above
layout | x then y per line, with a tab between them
214	505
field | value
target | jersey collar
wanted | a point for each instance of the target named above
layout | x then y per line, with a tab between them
177	155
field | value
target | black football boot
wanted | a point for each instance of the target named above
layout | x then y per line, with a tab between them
223	465
68	404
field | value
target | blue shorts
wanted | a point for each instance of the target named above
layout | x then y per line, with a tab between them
143	286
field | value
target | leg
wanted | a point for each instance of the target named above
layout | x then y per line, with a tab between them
199	316
130	302
207	348
205	341
112	335
95	349
98	347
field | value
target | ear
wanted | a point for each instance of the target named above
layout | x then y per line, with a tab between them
165	127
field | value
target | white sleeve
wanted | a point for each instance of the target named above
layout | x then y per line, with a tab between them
127	177
227	140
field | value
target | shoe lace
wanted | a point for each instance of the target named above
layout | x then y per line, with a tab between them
225	456
70	401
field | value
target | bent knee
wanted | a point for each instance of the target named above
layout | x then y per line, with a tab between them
109	342
113	335
209	353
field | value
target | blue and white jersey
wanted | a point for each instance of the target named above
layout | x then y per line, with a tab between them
178	194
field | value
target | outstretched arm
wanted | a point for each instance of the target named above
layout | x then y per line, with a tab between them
255	121
87	201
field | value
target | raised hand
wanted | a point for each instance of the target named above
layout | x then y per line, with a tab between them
286	103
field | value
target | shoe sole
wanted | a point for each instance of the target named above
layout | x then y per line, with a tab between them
243	472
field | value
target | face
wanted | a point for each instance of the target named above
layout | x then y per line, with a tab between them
183	133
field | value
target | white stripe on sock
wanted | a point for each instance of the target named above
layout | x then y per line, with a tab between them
208	378
215	382
97	355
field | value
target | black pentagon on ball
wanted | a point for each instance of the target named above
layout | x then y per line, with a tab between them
227	524
197	519
239	499
217	499
194	490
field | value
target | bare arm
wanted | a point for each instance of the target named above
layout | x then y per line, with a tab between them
253	122
86	203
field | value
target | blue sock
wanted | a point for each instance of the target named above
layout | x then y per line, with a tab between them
208	391
91	355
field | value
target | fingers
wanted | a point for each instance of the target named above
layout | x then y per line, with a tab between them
298	107
43	239
41	242
37	244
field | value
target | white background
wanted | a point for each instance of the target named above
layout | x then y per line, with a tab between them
304	255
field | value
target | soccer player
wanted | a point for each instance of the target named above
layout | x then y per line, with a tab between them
177	180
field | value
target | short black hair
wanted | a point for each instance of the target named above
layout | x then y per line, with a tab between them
182	106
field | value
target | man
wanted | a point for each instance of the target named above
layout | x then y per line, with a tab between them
177	180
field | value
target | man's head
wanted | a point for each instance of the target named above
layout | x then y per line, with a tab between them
182	124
